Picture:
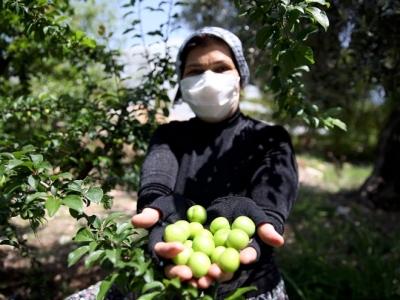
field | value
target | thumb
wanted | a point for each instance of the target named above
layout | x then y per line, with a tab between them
269	235
147	218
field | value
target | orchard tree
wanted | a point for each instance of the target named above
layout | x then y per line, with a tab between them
356	69
85	118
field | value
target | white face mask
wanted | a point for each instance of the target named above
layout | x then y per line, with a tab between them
210	95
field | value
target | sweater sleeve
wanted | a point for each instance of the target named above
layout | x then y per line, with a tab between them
274	184
159	169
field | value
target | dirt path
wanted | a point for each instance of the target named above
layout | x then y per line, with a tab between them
50	248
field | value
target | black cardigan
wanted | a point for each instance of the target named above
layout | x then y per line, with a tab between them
238	156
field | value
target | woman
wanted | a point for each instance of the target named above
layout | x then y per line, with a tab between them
223	160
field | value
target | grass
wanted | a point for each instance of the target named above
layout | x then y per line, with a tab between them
337	249
337	177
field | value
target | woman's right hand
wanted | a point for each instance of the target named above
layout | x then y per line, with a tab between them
150	216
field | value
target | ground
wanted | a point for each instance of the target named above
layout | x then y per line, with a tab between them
50	248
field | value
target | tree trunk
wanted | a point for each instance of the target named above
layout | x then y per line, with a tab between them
382	188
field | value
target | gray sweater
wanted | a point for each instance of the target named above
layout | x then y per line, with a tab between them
239	156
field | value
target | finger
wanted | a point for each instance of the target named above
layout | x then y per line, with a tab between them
147	218
248	255
268	235
216	273
205	282
183	272
168	250
193	282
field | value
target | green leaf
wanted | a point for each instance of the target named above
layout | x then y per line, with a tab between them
65	175
9	243
105	286
153	285
296	110
34	196
53	190
238	294
276	84
52	205
45	166
121	227
89	42
19	154
36	158
28	148
76	186
84	235
79	34
299	8
149	275
319	16
2	170
303	55
94	194
315	121
74	202
303	35
107	201
237	4
93	257
75	255
92	246
62	18
175	282
14	163
142	268
149	296
95	221
33	181
312	108
111	217
338	123
113	254
288	62
323	2
263	35
333	111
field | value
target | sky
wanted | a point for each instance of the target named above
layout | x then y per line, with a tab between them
151	21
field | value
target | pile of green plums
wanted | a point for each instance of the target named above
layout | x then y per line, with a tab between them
202	247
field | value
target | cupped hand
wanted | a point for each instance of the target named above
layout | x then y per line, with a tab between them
149	216
268	235
146	219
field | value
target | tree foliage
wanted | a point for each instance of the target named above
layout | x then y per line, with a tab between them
275	33
352	72
85	118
